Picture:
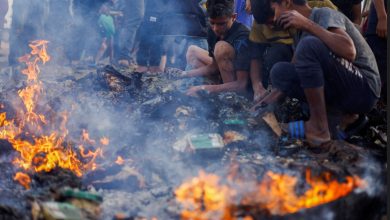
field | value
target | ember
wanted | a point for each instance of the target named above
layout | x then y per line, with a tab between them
23	179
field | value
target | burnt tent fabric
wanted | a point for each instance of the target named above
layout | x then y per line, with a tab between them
184	18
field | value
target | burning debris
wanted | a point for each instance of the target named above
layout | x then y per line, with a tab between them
204	197
153	140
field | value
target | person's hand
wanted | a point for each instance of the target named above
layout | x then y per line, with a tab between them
293	19
381	28
183	74
248	8
193	91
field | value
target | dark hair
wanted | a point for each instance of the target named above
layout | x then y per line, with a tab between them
297	2
261	10
220	8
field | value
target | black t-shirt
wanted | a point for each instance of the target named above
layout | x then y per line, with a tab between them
238	37
345	6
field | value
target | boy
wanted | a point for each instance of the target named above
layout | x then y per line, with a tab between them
332	66
227	41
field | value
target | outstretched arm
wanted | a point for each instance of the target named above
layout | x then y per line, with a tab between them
236	86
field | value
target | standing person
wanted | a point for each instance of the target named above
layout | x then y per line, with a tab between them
184	22
350	8
332	65
376	36
228	41
107	31
27	25
3	12
133	14
85	35
150	46
58	30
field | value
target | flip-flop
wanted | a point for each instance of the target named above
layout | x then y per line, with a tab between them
296	130
353	128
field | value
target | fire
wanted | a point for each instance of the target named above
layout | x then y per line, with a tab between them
105	141
119	161
23	179
204	197
277	192
43	144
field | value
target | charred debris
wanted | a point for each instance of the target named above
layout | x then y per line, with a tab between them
164	137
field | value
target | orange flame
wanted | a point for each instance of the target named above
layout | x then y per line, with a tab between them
23	179
204	198
277	192
105	141
44	147
119	161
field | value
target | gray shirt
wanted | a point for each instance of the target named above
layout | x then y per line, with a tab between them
365	59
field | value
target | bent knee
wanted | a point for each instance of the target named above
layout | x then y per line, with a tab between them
223	50
281	72
191	52
310	45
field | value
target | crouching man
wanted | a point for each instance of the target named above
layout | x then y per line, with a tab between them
227	41
332	67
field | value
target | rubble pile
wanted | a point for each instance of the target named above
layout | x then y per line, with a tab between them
160	138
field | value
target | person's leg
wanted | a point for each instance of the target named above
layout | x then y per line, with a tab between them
102	49
327	78
379	48
256	70
197	57
272	54
193	41
132	22
144	47
224	55
156	63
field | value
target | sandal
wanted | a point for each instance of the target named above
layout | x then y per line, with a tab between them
296	130
353	128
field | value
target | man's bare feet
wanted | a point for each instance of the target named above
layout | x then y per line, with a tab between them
316	134
348	119
259	92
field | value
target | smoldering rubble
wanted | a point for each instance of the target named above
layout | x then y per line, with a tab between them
159	138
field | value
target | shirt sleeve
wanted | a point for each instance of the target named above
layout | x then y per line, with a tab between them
328	18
